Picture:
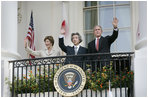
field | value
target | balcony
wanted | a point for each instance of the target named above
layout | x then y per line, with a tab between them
107	74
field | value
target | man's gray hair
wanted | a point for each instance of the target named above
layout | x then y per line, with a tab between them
80	38
97	26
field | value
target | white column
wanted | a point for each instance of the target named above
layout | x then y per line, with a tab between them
9	29
8	42
140	64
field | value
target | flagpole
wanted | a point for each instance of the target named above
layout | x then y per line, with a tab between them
64	19
28	44
30	35
62	10
65	16
110	92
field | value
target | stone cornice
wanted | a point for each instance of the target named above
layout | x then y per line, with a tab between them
141	44
9	55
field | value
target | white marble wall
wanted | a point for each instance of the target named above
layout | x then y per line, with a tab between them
140	60
8	42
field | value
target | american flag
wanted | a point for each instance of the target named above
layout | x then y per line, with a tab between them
30	34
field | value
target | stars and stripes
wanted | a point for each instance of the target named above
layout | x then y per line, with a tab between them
30	34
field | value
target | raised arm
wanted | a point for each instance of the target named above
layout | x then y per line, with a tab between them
114	36
30	51
115	22
61	41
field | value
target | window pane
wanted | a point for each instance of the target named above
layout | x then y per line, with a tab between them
123	15
105	2
90	3
89	37
106	33
122	2
87	3
106	17
94	3
90	19
123	43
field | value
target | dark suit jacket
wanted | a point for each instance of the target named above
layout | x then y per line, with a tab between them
104	46
70	51
104	43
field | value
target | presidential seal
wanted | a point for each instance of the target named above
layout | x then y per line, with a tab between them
69	80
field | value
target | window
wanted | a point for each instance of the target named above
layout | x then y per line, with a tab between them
102	13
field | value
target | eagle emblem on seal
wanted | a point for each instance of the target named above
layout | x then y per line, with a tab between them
69	79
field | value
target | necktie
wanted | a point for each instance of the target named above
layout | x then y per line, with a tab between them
97	45
75	48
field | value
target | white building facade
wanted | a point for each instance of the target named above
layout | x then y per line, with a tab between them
48	16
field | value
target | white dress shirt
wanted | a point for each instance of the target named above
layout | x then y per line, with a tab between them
77	49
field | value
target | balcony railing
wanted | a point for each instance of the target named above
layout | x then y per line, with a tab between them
34	77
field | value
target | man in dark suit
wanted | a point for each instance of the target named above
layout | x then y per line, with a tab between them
102	44
76	49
